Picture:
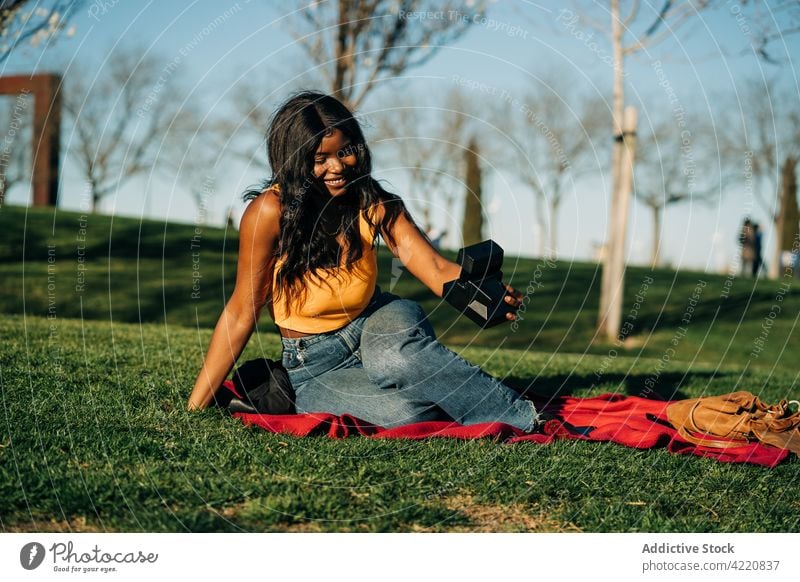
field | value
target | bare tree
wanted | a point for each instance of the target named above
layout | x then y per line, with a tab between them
357	43
425	138
192	157
647	25
121	120
422	156
556	134
763	129
240	131
472	227
768	22
675	166
666	21
789	223
352	46
33	22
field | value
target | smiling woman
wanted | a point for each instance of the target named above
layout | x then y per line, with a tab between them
308	251
334	162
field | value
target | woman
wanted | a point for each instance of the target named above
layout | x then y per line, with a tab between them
307	250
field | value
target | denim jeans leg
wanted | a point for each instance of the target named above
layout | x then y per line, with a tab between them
327	376
399	348
350	391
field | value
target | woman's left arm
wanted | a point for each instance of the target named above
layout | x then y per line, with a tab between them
426	264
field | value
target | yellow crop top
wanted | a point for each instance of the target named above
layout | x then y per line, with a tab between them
333	300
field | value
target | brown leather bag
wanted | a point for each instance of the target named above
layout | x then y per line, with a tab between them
739	417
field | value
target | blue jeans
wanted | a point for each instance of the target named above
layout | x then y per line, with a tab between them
386	367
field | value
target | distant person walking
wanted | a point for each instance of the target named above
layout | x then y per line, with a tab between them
757	260
747	242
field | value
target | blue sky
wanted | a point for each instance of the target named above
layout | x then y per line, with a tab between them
704	63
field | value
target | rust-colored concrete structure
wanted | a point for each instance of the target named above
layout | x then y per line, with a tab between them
46	130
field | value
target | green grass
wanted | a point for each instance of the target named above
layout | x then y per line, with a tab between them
95	438
94	435
142	272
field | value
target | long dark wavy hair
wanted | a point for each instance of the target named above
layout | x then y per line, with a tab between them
311	219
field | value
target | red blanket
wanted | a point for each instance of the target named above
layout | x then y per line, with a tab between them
626	420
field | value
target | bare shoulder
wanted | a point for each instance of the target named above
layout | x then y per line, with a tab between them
377	211
262	215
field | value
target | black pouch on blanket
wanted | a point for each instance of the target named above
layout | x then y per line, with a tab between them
263	387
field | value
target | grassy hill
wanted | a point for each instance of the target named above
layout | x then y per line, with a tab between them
102	339
128	270
95	438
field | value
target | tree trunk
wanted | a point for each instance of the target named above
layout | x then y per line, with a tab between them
773	265
655	253
612	278
541	238
614	317
472	228
787	226
555	202
341	50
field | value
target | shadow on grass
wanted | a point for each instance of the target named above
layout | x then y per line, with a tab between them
732	309
665	386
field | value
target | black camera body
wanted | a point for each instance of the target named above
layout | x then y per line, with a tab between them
479	292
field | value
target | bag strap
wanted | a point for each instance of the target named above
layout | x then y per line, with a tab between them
731	443
708	442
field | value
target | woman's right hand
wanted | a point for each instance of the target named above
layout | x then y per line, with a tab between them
259	233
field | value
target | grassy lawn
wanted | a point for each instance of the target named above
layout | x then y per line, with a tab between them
94	436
